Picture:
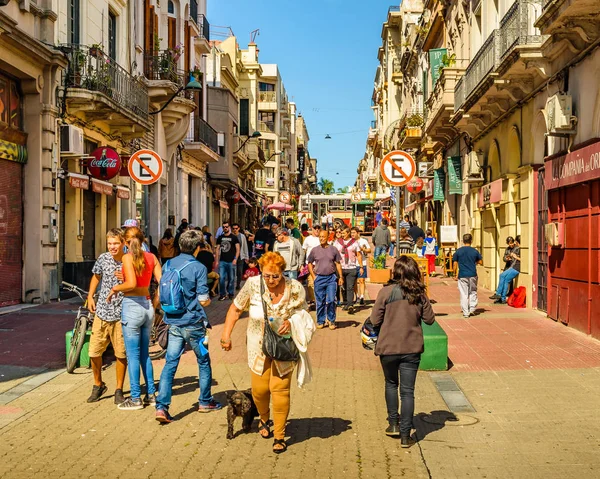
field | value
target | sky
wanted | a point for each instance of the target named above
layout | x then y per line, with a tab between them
326	51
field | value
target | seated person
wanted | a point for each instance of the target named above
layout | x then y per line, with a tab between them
208	260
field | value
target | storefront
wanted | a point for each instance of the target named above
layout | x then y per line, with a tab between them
573	236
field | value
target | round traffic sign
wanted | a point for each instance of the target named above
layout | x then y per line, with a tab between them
398	168
356	197
285	197
145	167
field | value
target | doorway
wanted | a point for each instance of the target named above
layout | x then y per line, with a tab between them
542	245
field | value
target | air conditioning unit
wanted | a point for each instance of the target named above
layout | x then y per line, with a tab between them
559	114
270	181
555	234
71	141
473	170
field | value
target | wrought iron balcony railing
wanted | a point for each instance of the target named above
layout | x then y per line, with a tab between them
267	96
194	10
266	126
202	132
394	8
516	27
91	69
204	26
163	66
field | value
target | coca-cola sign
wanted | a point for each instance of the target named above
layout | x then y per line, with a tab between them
104	163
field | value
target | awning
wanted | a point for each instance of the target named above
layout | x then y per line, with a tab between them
223	204
244	199
410	207
79	181
364	202
123	192
102	187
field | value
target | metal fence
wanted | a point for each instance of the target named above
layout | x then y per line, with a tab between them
516	27
202	132
204	27
91	69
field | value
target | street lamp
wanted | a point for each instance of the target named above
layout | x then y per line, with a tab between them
256	134
275	154
193	85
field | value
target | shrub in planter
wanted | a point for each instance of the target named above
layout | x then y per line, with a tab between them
378	273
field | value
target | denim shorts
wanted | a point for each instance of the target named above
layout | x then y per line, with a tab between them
364	273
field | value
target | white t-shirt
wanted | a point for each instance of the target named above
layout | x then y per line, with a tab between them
310	242
363	243
330	218
324	219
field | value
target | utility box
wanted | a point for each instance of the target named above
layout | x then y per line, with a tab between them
435	355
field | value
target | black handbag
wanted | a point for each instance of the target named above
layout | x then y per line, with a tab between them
275	346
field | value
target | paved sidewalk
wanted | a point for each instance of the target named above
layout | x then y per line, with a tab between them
531	419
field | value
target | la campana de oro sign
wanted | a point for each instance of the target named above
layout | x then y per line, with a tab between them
576	167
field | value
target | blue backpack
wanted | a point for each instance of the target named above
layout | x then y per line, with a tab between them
172	299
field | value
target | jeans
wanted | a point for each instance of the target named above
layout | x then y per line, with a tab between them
239	272
291	274
504	282
467	287
349	276
136	319
407	365
227	278
178	337
392	249
379	250
325	295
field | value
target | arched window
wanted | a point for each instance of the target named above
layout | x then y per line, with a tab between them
171	8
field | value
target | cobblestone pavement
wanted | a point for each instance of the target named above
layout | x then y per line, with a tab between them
534	386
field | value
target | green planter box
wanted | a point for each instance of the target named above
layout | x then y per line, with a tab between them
84	357
435	356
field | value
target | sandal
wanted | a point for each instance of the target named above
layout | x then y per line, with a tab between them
279	442
264	426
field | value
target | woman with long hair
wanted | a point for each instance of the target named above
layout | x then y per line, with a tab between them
137	316
400	342
166	246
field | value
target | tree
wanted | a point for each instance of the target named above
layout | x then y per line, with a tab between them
326	186
343	190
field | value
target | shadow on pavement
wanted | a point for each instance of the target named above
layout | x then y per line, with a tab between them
347	324
434	421
324	427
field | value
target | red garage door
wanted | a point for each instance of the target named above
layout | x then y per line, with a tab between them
11	232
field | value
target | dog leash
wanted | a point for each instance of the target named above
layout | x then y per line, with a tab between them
230	377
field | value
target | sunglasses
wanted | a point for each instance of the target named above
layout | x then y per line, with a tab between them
272	276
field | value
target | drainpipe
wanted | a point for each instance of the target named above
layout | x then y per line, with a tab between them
589	202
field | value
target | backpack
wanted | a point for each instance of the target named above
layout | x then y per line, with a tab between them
518	298
172	299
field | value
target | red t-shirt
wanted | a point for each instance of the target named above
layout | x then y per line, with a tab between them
250	272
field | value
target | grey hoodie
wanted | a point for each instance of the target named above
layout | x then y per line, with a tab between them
381	236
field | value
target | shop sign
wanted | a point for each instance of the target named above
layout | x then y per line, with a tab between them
104	163
436	56
415	186
455	186
490	193
301	164
429	190
122	193
79	181
576	167
439	182
102	187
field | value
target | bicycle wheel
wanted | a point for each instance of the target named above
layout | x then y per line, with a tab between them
155	350
77	340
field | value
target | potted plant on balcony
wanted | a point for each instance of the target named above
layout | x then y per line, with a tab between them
96	50
378	272
414	123
447	62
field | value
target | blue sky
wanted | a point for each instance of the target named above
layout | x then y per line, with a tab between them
327	55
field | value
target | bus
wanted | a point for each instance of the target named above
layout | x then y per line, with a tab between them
345	211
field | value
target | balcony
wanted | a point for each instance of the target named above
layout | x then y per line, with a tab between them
250	157
202	40
397	76
267	100
266	126
102	93
202	141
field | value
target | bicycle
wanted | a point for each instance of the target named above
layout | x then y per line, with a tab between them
83	322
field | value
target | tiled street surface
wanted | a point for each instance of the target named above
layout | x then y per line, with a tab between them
534	385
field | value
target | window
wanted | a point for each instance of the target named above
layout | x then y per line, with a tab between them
171	8
73	14
244	117
112	35
266	86
266	116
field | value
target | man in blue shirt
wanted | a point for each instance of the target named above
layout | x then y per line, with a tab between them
467	258
188	327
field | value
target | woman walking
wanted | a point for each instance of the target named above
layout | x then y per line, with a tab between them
400	342
137	316
284	301
166	246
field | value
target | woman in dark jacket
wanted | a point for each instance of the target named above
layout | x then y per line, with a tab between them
399	310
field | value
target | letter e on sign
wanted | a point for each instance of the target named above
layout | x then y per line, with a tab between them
145	167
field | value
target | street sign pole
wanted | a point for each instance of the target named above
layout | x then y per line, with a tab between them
397	221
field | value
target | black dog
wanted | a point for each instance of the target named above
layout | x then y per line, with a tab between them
240	404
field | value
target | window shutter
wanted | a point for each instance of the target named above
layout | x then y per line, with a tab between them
244	117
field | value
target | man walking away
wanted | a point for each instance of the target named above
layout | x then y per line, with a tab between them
262	240
467	258
509	274
311	242
416	232
323	264
237	231
292	252
294	232
228	254
188	327
351	261
381	238
365	249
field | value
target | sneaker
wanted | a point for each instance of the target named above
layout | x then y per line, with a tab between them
119	396
393	430
466	316
320	326
97	391
494	296
150	400
406	441
332	326
222	298
500	301
210	407
163	416
351	310
131	404
345	307
361	301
